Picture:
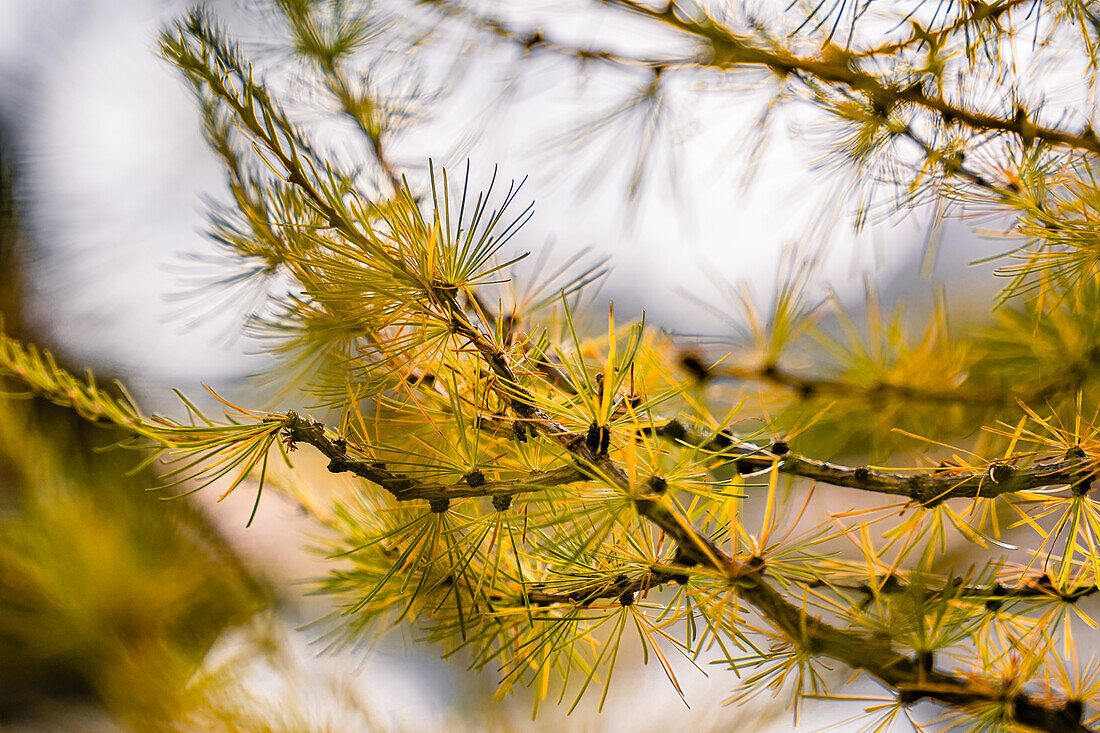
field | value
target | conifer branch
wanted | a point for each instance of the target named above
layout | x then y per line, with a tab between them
912	680
729	50
807	387
980	12
39	372
622	589
359	110
403	488
994	596
328	47
926	488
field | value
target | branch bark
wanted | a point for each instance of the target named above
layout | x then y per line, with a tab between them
728	50
927	488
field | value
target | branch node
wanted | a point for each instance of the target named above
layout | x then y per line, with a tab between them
438	506
657	485
683	558
695	367
535	39
721	440
1073	711
592	438
626	597
909	696
998	592
674	430
1000	472
756	564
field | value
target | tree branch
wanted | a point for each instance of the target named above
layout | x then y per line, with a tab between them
989	12
912	680
730	50
806	387
622	588
404	488
536	39
927	488
994	596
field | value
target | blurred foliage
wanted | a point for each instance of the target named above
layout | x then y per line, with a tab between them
105	595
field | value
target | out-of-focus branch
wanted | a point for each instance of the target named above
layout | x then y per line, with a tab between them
980	12
836	66
807	386
538	40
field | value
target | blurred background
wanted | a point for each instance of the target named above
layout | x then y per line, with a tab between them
118	611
